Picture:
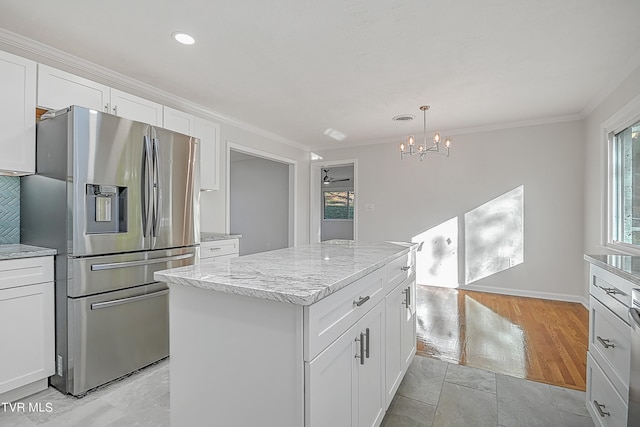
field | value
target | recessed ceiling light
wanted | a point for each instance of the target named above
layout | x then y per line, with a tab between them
183	38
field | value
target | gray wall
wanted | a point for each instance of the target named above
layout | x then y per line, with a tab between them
259	202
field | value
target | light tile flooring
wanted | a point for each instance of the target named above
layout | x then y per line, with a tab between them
433	393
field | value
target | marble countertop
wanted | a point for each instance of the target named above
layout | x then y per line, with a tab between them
300	275
625	266
206	236
15	251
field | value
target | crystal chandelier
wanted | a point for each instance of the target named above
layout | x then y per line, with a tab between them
408	148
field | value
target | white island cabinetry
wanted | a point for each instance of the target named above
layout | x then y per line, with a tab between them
297	335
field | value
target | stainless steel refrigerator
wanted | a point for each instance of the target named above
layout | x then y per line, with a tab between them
119	200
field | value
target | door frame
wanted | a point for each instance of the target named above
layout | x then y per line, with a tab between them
293	190
315	208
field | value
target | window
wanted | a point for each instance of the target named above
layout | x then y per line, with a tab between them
625	186
338	204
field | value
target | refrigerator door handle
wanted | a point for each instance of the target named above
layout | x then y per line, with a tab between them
157	190
106	304
125	264
145	178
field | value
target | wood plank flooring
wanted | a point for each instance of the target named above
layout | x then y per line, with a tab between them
535	339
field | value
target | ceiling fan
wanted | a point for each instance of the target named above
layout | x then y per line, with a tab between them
327	180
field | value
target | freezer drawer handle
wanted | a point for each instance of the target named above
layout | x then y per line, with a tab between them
106	304
124	264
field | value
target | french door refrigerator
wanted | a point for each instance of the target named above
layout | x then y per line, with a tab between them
119	200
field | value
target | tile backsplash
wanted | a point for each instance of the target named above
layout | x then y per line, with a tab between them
9	209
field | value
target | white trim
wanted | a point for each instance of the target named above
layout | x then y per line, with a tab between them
623	118
529	294
453	132
53	57
315	208
293	185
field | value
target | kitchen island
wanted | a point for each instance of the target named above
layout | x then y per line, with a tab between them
314	335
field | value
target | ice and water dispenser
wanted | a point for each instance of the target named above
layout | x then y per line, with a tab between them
106	207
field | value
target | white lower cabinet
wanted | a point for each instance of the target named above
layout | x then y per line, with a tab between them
27	315
400	330
219	249
346	381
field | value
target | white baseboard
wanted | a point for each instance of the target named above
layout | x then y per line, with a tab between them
529	294
24	391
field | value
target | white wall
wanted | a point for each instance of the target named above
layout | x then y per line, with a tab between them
409	197
259	203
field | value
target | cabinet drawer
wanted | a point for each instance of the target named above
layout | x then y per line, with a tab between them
398	270
25	271
609	345
615	299
600	392
330	317
218	248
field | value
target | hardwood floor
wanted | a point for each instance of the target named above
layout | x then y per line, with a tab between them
535	339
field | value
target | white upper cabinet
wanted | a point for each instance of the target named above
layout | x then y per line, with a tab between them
178	121
58	89
135	108
209	135
17	114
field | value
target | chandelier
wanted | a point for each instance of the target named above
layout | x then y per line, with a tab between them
408	148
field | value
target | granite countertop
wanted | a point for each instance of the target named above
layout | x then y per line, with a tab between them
625	266
206	236
18	250
300	275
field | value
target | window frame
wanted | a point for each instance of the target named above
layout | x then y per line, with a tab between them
624	118
339	190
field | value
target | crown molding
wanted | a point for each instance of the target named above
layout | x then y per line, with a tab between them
54	57
458	131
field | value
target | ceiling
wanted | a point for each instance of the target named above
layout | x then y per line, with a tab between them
298	67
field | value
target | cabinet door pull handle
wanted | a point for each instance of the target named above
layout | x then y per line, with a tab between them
408	296
361	355
605	342
115	110
361	301
599	408
367	339
215	249
610	291
106	108
405	268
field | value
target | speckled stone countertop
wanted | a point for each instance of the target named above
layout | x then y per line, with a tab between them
15	251
210	237
625	266
300	275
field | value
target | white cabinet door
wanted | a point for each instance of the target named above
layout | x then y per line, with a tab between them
345	383
330	384
394	319
58	89
178	121
370	389
209	135
17	114
26	313
409	326
135	108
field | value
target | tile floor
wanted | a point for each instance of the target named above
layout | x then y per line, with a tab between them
433	393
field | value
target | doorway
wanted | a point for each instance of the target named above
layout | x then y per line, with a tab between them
333	201
260	199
